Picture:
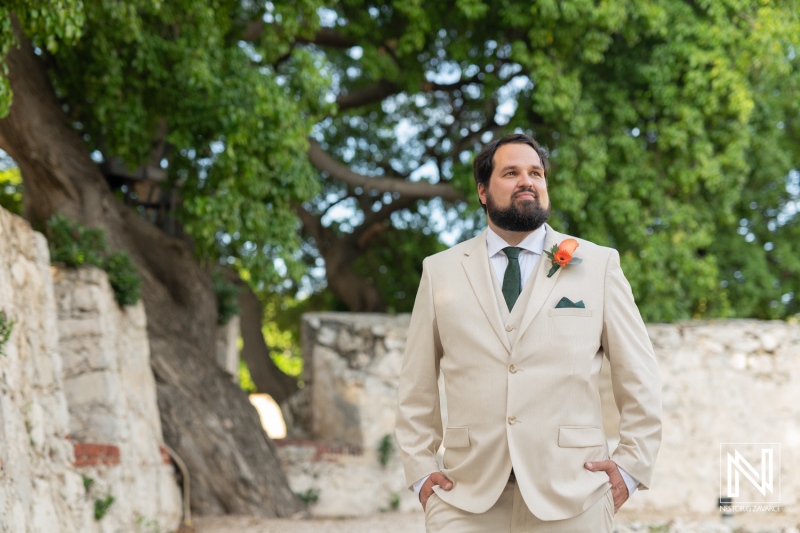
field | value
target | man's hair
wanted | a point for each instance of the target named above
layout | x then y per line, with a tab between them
483	165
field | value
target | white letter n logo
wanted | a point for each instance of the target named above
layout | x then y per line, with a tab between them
741	465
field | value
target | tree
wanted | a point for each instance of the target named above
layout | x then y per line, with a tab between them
200	139
671	127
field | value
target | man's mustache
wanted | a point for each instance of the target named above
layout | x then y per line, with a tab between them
531	191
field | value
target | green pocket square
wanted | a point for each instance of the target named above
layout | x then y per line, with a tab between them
566	302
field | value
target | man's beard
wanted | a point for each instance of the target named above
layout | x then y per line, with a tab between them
524	216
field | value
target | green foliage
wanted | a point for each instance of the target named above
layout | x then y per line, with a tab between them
393	263
87	483
663	143
385	449
143	524
233	115
53	23
6	327
74	245
394	501
124	278
11	190
101	506
29	427
245	380
226	293
282	321
281	331
237	124
309	496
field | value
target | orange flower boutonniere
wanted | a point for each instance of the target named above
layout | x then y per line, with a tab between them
561	255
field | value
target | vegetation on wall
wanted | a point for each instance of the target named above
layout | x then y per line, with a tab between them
102	506
74	245
6	327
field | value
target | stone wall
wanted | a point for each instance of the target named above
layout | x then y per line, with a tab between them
228	347
735	381
77	401
111	396
725	381
351	364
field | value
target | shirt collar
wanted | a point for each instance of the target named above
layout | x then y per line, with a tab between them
533	243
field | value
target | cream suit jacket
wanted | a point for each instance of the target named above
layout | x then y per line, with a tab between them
521	388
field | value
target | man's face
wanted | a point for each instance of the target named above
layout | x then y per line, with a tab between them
516	198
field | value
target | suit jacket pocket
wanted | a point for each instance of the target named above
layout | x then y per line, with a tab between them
456	437
569	311
580	436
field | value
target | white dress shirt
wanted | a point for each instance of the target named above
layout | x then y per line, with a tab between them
532	248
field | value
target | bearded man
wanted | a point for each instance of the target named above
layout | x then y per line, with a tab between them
517	322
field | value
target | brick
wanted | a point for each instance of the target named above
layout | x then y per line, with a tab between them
165	458
91	454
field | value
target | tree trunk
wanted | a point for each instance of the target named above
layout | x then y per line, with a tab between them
206	418
358	294
339	252
265	375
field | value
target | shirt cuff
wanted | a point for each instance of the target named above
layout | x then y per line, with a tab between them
631	483
418	485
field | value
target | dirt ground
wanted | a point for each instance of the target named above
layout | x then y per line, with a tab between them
415	523
382	523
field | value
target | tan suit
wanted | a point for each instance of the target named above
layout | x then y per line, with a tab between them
522	387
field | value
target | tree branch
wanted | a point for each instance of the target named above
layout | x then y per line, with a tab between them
390	171
415	189
428	86
328	37
367	95
324	36
490	125
367	229
337	202
312	225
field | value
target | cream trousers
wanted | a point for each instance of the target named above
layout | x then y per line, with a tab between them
511	515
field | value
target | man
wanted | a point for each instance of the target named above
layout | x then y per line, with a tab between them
518	337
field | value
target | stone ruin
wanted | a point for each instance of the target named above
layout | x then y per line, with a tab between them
732	381
81	448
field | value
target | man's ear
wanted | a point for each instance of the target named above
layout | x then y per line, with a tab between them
482	193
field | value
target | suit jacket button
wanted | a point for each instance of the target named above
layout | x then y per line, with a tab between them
509	328
512	369
512	420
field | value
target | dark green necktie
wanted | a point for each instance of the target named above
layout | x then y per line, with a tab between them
512	280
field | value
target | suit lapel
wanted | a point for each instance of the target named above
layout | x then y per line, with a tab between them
476	265
543	285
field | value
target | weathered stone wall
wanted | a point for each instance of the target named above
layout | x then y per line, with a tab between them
73	344
723	381
351	365
228	347
734	381
111	396
39	488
